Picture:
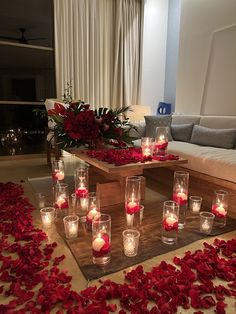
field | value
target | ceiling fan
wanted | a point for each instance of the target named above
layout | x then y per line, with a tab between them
21	39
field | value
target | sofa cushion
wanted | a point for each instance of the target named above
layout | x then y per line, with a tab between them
215	122
224	138
152	122
216	162
185	119
182	132
140	129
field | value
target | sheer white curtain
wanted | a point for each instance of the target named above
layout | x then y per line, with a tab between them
97	49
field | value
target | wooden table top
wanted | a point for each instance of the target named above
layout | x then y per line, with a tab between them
112	169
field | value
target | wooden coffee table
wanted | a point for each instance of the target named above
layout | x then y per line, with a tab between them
110	179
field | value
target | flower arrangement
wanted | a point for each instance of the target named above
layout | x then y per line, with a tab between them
77	124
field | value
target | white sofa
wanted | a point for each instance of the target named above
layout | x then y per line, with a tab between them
212	161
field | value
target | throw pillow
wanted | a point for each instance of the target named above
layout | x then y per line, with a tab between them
223	138
182	132
152	122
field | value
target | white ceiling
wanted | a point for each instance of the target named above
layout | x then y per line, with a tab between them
36	17
33	15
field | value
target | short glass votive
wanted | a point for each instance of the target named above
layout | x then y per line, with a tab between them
40	200
219	207
47	216
131	242
71	224
170	220
206	222
58	171
195	203
147	145
93	207
161	141
62	199
101	240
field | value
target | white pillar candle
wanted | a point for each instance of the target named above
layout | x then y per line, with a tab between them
47	220
72	229
171	220
205	226
98	243
195	207
129	220
92	213
129	245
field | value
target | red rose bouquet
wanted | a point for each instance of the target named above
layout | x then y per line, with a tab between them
77	124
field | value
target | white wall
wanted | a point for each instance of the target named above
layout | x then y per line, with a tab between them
199	20
154	52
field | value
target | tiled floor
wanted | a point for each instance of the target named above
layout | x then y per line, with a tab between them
19	170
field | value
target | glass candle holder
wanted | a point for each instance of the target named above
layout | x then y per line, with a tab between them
93	207
195	203
48	216
79	205
81	178
58	171
71	224
219	207
132	198
101	240
170	221
147	145
40	200
131	242
206	222
161	141
62	199
180	194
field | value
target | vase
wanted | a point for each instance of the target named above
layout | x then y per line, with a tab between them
97	144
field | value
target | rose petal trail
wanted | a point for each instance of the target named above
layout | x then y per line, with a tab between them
32	282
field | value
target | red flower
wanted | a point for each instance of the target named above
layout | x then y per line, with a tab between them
58	110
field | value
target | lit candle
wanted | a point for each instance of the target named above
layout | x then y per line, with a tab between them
129	246
129	219
147	151
81	191
61	201
93	214
221	210
47	220
84	203
59	175
195	207
72	229
171	220
98	243
205	226
132	206
161	140
182	195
